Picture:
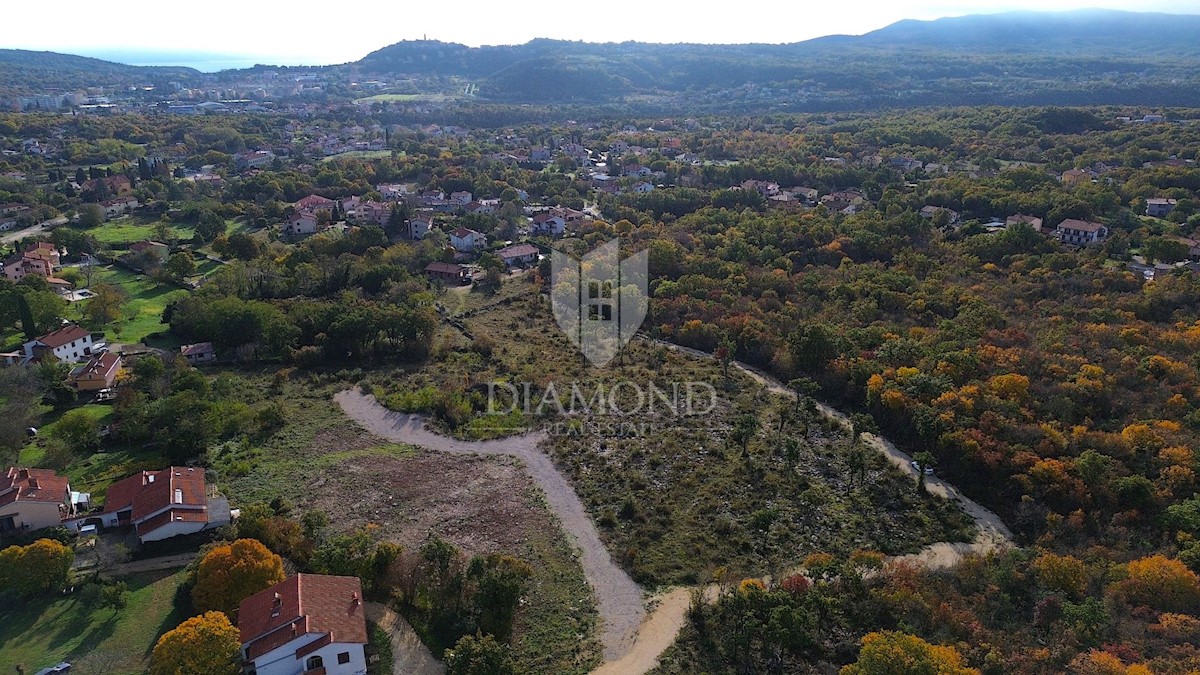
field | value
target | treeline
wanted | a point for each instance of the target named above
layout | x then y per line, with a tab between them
338	298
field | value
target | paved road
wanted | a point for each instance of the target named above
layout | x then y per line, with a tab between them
618	598
410	656
40	228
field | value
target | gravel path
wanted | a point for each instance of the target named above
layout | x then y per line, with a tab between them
618	598
631	646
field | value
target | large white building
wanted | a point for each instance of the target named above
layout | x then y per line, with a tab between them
70	343
309	623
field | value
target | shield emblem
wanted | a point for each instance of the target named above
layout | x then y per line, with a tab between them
599	301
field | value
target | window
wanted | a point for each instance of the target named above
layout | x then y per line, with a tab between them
178	496
344	657
314	662
600	301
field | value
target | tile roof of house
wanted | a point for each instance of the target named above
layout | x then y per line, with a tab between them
148	491
65	335
33	485
100	364
1081	225
305	603
463	233
518	251
444	268
170	516
198	348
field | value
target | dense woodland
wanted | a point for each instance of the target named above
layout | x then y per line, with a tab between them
1053	384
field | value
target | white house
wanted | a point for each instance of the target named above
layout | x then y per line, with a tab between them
461	198
304	222
418	228
642	187
467	241
544	223
309	623
1080	232
115	207
31	499
70	343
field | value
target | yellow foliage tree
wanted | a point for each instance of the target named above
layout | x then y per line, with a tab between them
894	653
1160	582
1012	386
231	573
203	645
1062	574
1103	663
41	566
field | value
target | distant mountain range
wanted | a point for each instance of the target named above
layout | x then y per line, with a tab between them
1082	57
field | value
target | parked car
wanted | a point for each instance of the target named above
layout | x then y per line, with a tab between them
917	467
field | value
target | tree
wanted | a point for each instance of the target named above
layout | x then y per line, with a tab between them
501	583
90	215
78	429
203	645
1159	582
857	463
179	266
18	407
28	324
744	430
494	271
894	653
39	567
479	655
104	306
231	573
804	387
1062	574
724	354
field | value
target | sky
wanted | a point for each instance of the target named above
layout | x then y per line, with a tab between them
300	33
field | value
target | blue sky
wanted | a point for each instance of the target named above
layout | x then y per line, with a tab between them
296	33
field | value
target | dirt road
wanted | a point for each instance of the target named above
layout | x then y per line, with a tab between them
630	648
618	598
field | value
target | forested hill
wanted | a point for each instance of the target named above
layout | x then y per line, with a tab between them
27	72
1083	57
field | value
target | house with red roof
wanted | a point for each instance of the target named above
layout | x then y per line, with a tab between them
518	254
1080	232
313	202
466	240
31	499
450	273
161	504
306	624
100	372
71	344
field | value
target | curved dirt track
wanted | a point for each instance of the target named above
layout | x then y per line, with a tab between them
633	646
618	598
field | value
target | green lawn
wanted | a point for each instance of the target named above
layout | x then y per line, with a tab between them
44	631
95	472
141	315
130	230
359	154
